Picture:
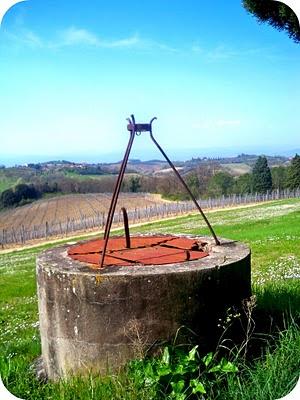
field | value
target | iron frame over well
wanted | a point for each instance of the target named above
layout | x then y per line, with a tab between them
137	129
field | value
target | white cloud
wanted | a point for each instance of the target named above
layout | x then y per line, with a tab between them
224	52
32	39
74	36
162	46
78	36
27	38
127	42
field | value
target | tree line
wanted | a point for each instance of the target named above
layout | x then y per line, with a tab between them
18	195
204	181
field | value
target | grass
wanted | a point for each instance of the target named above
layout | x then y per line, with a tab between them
7	182
271	377
83	177
272	231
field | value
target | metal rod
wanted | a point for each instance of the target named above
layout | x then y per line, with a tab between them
117	191
126	227
184	184
119	182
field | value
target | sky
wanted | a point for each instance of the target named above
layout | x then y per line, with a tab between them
71	72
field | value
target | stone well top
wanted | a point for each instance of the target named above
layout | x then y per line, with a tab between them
230	251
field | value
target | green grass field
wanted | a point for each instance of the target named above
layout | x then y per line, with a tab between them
7	182
272	365
75	175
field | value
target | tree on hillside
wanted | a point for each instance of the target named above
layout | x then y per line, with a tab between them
279	177
294	173
220	184
204	174
25	192
18	195
262	179
244	184
277	14
134	184
7	198
193	183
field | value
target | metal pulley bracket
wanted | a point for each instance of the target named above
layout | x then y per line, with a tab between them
139	127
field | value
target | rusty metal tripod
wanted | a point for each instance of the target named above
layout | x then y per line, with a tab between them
137	129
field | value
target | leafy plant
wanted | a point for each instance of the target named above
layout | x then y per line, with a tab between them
180	375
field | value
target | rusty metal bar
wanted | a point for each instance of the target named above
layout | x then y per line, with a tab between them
184	184
126	227
187	255
118	183
116	193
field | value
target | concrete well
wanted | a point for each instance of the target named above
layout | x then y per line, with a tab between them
97	320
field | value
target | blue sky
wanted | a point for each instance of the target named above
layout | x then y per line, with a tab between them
71	72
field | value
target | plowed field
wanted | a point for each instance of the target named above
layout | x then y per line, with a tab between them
70	207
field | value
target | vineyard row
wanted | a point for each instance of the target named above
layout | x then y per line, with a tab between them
48	229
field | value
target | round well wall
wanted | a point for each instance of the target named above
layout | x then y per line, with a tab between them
95	320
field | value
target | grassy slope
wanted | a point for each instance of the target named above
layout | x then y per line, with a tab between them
80	177
74	175
7	182
273	232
